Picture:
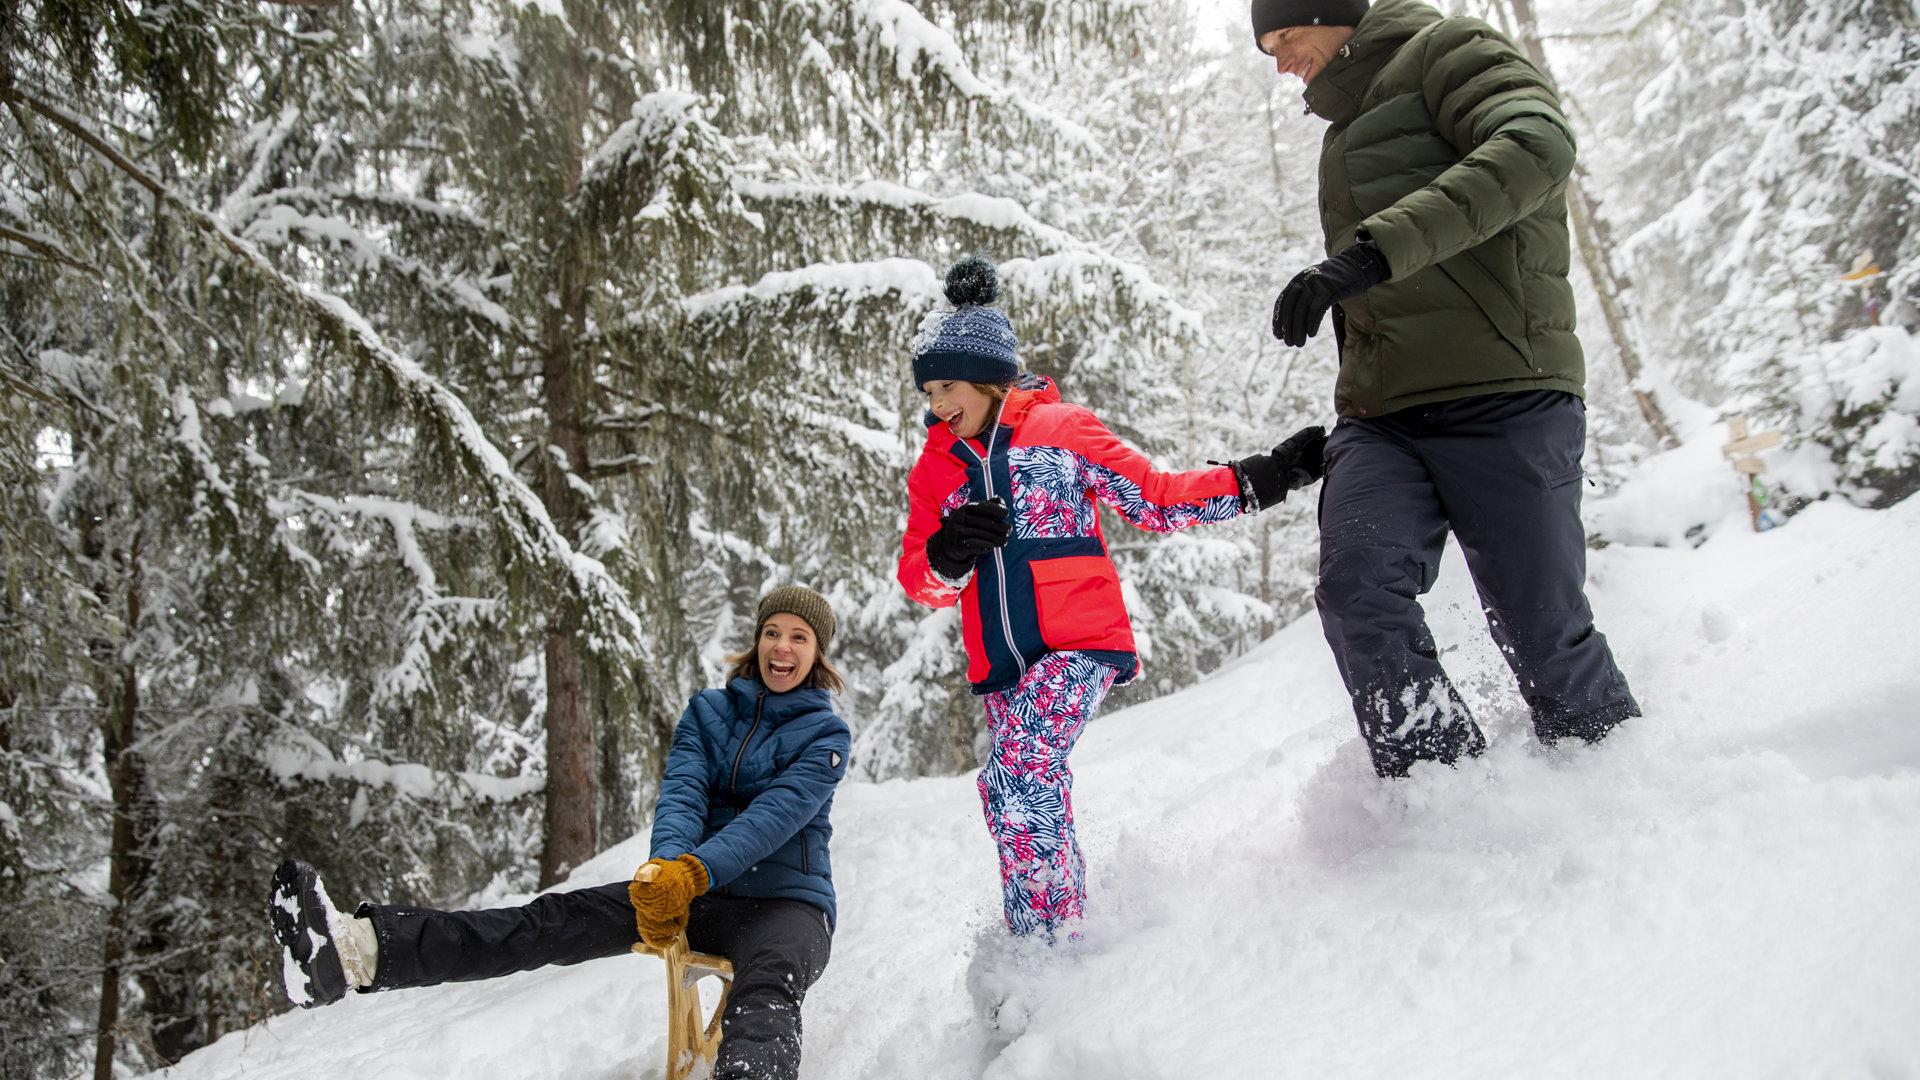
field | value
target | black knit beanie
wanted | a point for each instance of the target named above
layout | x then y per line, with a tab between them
1275	14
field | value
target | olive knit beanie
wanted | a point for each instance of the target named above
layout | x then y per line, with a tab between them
798	600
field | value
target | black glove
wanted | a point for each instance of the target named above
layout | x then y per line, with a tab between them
970	531
1305	300
1265	479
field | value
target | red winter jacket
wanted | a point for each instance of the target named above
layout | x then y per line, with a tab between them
1052	587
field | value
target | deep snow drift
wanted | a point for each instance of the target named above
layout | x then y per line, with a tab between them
1725	888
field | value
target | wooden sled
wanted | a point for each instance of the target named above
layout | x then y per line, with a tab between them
692	1042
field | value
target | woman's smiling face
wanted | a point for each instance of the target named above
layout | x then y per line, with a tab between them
960	405
787	650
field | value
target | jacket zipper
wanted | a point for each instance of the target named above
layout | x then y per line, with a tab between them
999	563
733	779
805	863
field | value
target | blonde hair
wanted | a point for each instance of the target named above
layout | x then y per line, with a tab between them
994	390
823	676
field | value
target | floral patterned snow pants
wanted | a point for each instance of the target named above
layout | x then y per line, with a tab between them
1027	789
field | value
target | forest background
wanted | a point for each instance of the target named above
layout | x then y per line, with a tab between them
405	402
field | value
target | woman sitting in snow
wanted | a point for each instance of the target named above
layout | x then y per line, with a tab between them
1001	520
739	839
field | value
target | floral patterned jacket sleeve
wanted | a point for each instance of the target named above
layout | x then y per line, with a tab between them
1150	498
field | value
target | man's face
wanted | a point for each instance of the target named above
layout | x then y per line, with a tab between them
1304	51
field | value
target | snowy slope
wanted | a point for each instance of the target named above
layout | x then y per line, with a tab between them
1725	888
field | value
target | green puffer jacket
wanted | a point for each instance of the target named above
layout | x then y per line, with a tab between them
1448	149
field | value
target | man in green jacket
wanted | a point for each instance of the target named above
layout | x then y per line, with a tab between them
1442	194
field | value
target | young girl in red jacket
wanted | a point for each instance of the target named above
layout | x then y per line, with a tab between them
1001	520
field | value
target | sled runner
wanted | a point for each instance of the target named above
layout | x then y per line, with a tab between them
692	1043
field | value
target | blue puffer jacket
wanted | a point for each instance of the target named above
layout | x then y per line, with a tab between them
748	787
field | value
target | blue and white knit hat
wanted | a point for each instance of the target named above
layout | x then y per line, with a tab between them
972	342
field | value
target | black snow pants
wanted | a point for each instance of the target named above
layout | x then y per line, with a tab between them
778	949
1502	472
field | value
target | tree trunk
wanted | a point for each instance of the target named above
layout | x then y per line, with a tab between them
616	788
572	823
1596	250
1266	575
127	869
572	796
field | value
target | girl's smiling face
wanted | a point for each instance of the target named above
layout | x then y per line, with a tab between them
960	405
787	649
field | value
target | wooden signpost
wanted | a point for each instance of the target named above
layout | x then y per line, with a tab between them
692	1041
1867	275
1864	269
1741	452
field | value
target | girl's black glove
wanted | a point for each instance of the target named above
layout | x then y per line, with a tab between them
970	531
1266	478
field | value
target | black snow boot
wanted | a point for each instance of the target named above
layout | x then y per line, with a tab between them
305	925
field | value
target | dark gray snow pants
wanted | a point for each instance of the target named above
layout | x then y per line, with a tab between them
1502	472
778	949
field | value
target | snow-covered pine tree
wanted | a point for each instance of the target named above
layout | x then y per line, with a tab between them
397	341
1765	156
52	787
94	534
810	355
726	267
222	543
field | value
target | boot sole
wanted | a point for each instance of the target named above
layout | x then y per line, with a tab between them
297	906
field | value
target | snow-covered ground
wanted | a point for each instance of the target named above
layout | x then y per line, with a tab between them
1726	888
